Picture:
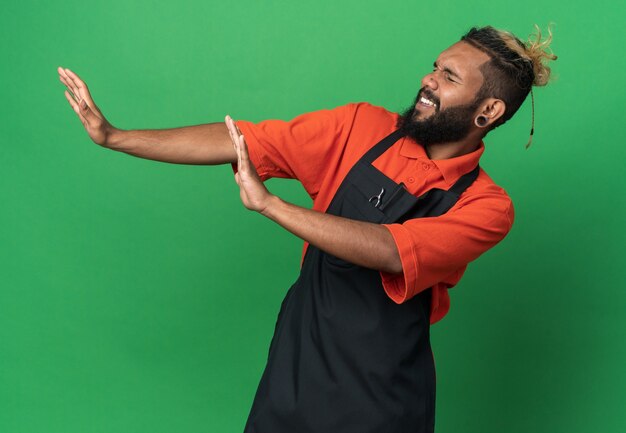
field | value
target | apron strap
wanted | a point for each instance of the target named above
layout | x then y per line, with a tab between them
465	181
382	146
378	149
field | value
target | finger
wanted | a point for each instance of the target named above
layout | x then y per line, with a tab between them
238	143
244	158
233	138
84	111
244	149
72	101
237	150
73	104
231	131
232	128
63	76
71	86
83	91
239	164
226	122
236	135
78	86
75	107
235	128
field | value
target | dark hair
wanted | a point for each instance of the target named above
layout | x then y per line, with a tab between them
513	67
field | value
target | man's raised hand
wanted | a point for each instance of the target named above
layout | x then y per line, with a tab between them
77	94
253	193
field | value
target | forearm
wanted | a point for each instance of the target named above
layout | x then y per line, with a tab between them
362	243
206	144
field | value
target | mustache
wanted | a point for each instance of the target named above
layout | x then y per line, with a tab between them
428	94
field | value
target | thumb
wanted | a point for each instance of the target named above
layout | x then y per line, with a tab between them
85	111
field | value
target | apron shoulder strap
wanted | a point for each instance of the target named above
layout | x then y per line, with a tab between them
380	148
465	181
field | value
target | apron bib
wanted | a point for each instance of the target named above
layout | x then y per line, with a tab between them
344	357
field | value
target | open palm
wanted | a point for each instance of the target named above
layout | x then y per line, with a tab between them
78	96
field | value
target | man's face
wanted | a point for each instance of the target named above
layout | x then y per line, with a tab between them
446	105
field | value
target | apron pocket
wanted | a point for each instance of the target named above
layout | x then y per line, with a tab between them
359	205
356	205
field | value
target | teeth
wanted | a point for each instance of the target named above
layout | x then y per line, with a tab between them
427	102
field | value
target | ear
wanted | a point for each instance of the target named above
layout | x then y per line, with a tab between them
489	112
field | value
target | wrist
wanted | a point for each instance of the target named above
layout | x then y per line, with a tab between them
114	138
272	206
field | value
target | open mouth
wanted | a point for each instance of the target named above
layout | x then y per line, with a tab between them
425	103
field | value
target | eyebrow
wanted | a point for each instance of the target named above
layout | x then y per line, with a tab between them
449	71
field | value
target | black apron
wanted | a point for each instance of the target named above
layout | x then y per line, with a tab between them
344	357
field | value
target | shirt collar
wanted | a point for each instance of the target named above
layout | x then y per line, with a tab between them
452	168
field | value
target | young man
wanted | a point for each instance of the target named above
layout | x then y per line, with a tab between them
400	208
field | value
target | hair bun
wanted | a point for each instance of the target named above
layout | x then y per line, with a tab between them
539	52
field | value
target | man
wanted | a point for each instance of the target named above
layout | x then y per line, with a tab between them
400	208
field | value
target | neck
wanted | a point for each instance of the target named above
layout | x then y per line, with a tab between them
453	149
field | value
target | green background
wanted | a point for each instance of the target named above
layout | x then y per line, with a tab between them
138	296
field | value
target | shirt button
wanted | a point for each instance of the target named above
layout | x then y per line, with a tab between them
411	179
425	166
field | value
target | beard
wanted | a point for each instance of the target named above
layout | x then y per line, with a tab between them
443	126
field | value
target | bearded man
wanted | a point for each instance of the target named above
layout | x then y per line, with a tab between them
400	207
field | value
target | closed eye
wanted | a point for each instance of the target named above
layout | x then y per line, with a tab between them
448	74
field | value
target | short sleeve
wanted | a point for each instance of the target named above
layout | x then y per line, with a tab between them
306	148
435	251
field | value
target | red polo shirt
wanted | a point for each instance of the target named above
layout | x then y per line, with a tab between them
320	148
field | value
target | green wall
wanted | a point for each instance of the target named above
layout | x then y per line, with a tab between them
138	296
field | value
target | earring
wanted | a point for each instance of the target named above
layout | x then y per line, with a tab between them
481	121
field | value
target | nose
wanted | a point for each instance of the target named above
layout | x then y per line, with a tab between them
430	81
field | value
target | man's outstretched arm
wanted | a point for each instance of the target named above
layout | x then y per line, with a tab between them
362	243
206	144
